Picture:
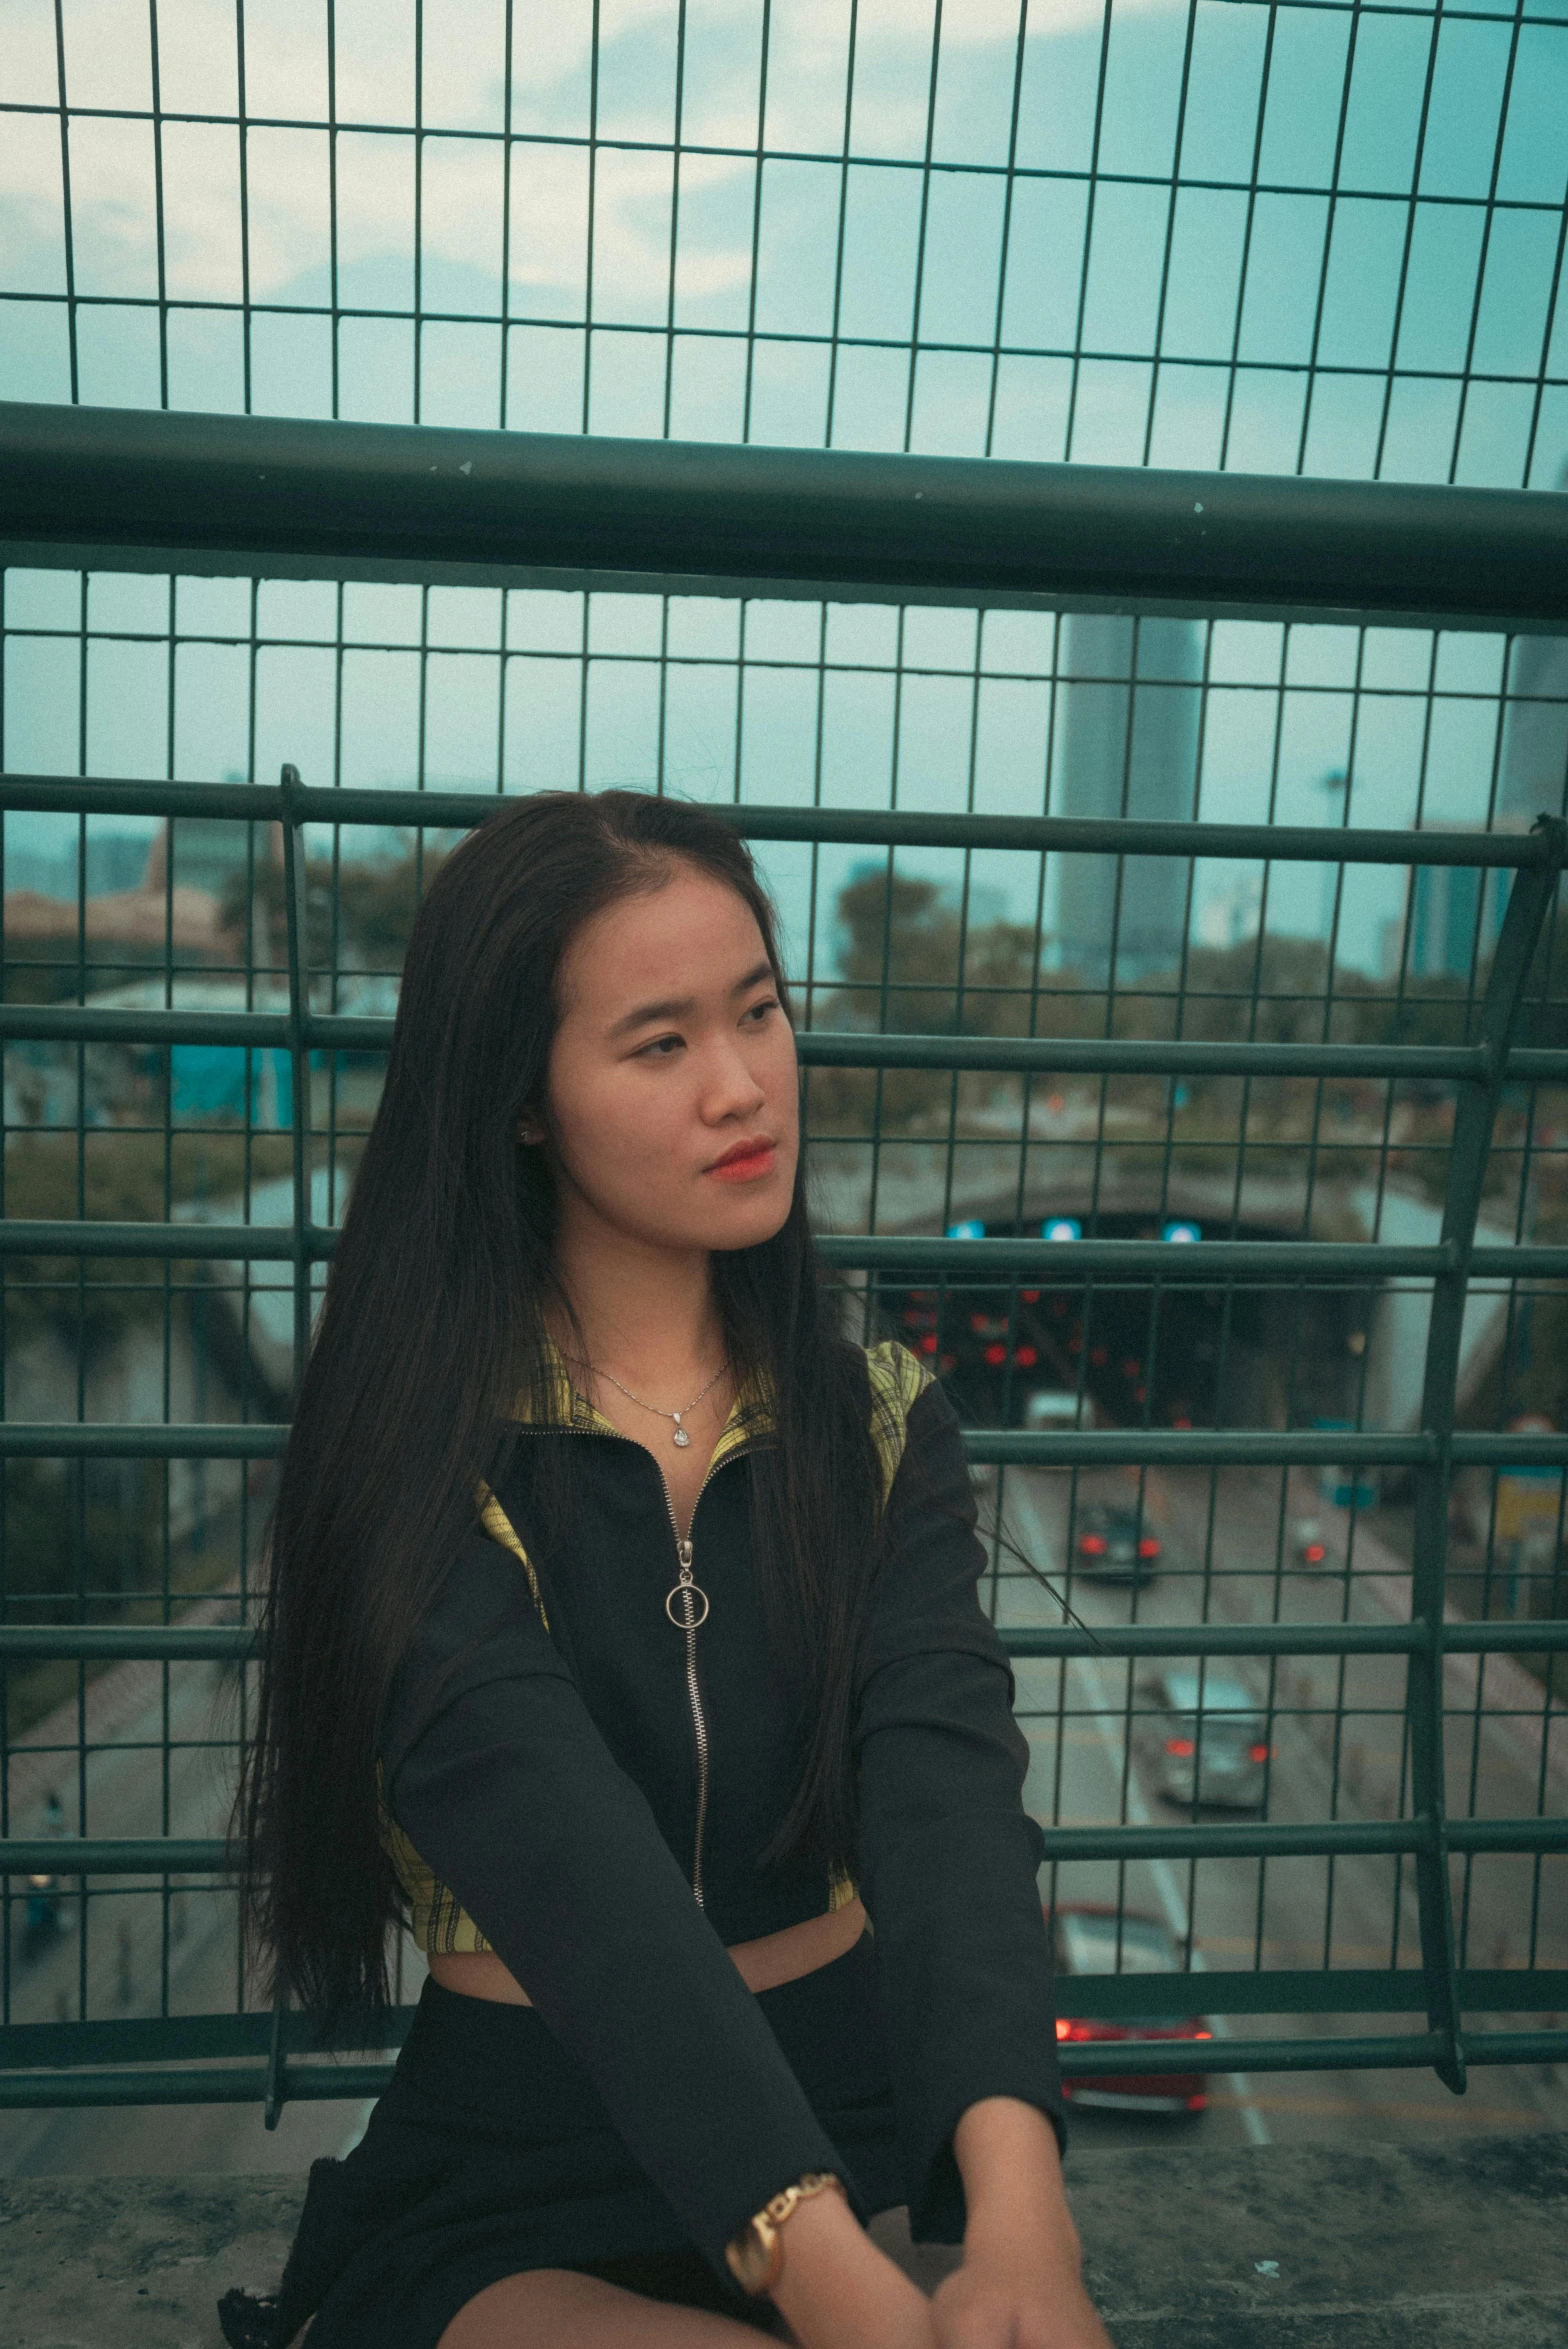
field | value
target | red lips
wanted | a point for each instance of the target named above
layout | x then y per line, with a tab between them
753	1157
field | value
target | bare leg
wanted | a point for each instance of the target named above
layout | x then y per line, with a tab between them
552	2308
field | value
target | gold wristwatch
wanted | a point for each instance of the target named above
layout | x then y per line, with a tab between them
756	2256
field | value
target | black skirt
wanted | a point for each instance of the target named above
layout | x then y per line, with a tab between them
491	2152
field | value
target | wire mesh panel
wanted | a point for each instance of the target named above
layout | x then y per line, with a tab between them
1178	963
1240	235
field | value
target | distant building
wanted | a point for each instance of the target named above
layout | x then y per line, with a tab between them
1454	914
211	853
1127	747
1535	730
130	916
1534	778
115	861
1232	913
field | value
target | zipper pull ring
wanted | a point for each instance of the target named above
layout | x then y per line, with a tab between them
690	1594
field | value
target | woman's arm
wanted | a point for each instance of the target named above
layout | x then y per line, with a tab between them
1021	2284
839	2291
949	1856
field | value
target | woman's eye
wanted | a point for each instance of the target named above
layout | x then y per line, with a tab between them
759	1011
661	1048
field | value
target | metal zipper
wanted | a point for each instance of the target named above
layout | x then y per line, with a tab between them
687	1592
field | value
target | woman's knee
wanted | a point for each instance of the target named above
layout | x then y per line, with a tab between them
558	2307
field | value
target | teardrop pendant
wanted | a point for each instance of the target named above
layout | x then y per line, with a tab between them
681	1437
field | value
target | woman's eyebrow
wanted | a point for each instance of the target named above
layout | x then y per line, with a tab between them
675	1007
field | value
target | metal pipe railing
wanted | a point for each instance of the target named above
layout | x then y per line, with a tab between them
168	491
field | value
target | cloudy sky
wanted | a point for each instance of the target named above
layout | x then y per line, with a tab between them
1154	234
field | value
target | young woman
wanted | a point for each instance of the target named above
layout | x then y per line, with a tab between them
623	1637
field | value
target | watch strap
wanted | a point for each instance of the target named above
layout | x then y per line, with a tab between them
756	2255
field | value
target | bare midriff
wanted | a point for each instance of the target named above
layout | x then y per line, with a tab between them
762	1965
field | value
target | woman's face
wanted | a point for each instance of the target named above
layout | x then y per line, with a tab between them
671	1090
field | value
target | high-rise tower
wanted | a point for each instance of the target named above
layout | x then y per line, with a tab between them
1127	745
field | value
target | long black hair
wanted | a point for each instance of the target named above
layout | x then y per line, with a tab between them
434	1320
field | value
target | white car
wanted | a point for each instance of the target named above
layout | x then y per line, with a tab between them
1205	1742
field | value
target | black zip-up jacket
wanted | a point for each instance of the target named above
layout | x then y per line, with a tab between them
574	1778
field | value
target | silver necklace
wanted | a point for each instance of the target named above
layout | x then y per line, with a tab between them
680	1436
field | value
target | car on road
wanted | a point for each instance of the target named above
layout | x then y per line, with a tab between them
1117	1543
1059	1410
1047	1411
1089	1939
1204	1741
1309	1551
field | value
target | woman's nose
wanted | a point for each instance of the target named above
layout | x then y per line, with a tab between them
732	1089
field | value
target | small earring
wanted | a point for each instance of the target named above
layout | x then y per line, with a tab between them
528	1133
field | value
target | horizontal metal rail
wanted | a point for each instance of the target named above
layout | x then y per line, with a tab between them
22	1439
325	2079
1270	1263
436	810
166	491
129	1855
53	1439
177	1643
71	1023
1276	1263
211	2038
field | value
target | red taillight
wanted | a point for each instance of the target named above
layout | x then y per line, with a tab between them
1073	2030
1025	1357
996	1356
1148	1547
928	1342
1260	1753
1029	1296
1093	1545
1314	1553
1201	2034
1181	1747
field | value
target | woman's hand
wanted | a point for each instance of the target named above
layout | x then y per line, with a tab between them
839	2291
1021	2284
999	2302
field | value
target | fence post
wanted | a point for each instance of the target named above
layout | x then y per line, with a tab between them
1535	887
298	937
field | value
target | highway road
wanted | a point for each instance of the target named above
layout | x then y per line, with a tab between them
1337	1736
1299	1913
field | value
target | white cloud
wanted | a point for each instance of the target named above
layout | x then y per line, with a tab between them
108	60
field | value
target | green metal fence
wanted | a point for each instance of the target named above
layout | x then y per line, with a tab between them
1065	775
1491	1047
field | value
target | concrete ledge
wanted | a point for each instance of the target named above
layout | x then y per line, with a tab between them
1461	2246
